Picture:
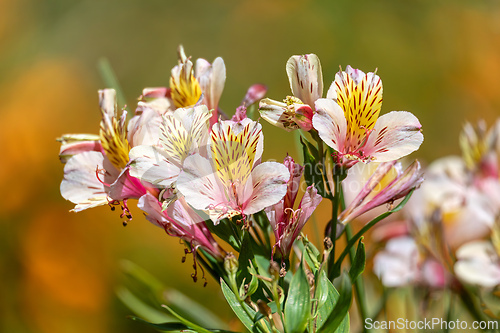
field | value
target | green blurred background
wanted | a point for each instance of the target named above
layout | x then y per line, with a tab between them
437	59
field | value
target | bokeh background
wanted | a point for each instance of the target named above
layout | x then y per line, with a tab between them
438	59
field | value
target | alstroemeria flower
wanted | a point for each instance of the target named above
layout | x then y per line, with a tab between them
286	222
99	175
180	220
206	80
442	209
375	193
481	149
348	121
232	182
306	83
182	132
401	264
478	263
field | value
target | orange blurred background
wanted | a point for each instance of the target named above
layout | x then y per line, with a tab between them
437	59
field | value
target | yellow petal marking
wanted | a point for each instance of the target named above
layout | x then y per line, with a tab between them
233	154
361	103
113	135
178	141
185	88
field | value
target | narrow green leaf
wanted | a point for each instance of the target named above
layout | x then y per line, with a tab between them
174	327
192	310
166	327
246	315
298	303
359	261
110	80
246	254
327	297
183	320
341	308
368	226
312	255
139	307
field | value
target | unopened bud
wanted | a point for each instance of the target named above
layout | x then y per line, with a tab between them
231	264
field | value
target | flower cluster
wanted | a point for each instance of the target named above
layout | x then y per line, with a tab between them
449	234
198	174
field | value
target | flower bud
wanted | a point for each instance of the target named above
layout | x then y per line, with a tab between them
231	264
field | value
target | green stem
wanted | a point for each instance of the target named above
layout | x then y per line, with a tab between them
368	226
333	225
359	288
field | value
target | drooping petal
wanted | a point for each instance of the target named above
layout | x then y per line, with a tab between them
330	123
181	221
308	204
269	186
126	187
81	184
306	79
395	135
153	165
72	144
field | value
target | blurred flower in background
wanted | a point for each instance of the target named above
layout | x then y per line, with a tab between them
441	59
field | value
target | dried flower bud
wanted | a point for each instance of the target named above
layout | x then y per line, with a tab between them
274	270
327	242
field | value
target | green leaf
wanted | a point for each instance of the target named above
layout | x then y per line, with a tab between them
359	261
245	315
313	168
298	303
224	231
341	308
327	296
246	254
166	327
192	310
144	293
174	327
368	226
183	320
110	80
139	307
312	255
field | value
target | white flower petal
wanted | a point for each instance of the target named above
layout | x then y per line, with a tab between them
153	165
270	181
330	123
198	184
395	135
80	184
